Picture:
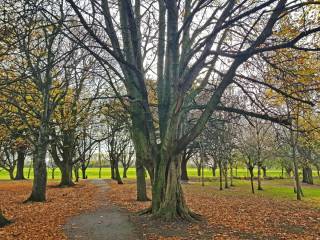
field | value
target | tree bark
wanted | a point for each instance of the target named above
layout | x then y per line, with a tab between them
83	170
225	170
264	170
307	175
38	193
168	201
11	170
199	171
141	182
20	164
184	172
220	176
3	221
259	178
231	176
66	174
251	178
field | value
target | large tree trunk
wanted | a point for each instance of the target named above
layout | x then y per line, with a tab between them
259	178
307	175
168	201
3	221
38	193
184	172
20	164
141	182
66	174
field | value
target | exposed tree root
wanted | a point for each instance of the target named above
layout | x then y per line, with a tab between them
3	221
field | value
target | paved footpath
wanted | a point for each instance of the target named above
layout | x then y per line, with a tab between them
105	223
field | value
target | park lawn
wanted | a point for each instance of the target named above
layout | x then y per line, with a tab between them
93	173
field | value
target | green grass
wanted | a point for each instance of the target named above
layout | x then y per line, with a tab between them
276	188
106	173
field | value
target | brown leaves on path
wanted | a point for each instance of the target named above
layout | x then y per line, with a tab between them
42	220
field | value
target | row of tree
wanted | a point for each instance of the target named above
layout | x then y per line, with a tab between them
174	67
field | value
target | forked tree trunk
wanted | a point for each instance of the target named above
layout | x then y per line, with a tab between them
259	178
168	201
38	193
20	165
3	221
307	175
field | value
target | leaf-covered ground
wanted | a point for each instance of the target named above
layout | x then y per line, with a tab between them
229	214
42	220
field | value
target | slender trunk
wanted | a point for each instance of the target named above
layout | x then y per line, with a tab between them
251	178
307	175
213	171
83	170
52	173
231	176
184	172
30	166
38	193
20	164
125	169
226	184
264	170
3	221
220	175
113	175
76	173
11	170
297	189
259	178
236	171
100	162
118	177
282	170
199	170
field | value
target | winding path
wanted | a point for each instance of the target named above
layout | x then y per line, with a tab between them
108	222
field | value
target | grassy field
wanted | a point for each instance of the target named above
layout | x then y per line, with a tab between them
279	188
106	173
